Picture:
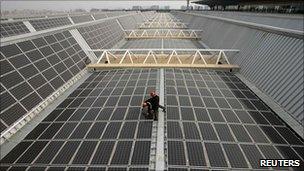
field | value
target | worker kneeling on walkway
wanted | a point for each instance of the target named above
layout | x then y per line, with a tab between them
150	107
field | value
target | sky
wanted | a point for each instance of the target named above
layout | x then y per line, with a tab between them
68	5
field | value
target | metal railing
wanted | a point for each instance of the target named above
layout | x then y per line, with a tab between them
163	33
159	24
198	58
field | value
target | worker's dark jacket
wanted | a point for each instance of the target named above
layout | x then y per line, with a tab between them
154	102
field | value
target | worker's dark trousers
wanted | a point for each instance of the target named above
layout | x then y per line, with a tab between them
156	112
155	115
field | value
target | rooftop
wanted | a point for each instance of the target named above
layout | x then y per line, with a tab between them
67	109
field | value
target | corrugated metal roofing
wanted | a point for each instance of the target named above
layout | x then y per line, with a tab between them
273	62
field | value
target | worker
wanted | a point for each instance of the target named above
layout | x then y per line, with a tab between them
153	105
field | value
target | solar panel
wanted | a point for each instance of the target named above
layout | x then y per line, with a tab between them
91	114
122	153
76	169
229	113
97	39
253	155
272	118
117	169
144	130
273	135
201	114
174	130
133	113
84	152
112	130
100	122
235	156
105	114
289	136
207	131
65	131
13	29
195	153
18	168
6	67
81	18
240	133
141	153
269	152
53	115
65	115
190	130
13	113
173	113
43	24
51	131
184	101
36	168
216	115
56	168
16	152
176	154
244	116
96	130
66	153
128	22
209	102
230	116
119	113
98	16
187	114
8	100
32	152
223	132
19	60
96	169
34	71
215	155
103	152
81	130
197	102
49	152
128	130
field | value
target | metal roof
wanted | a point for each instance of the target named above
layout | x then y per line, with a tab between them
82	119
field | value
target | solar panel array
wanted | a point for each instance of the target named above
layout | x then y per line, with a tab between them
139	18
82	18
98	126
16	28
13	29
98	16
128	22
131	22
31	70
103	35
214	121
47	23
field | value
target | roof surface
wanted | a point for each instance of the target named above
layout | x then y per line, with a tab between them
212	121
